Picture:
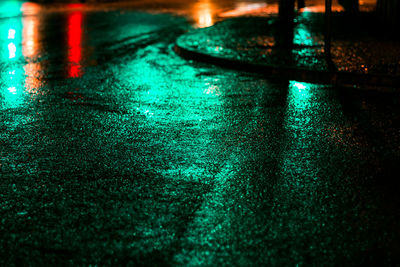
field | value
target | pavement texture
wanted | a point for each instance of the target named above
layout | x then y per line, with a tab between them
115	151
362	51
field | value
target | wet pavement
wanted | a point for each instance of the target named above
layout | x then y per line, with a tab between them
362	52
116	151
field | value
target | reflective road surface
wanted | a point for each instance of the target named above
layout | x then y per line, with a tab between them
115	151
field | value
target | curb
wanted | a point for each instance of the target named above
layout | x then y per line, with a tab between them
292	73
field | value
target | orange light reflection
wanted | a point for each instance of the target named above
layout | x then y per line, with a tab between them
30	32
31	47
321	8
204	12
251	9
33	79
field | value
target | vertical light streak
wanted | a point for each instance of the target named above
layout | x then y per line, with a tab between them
10	94
31	46
74	44
203	13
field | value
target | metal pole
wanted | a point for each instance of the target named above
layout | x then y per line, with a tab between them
286	21
328	29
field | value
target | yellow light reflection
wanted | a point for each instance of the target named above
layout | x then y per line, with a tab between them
204	12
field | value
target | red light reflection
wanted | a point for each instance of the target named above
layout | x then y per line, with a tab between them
74	44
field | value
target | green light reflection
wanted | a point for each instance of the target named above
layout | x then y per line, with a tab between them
301	125
12	78
300	170
178	106
11	8
299	104
302	36
156	90
12	90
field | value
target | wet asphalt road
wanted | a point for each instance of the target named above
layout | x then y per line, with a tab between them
114	150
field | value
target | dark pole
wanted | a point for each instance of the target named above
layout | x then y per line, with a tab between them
328	28
286	11
301	4
286	21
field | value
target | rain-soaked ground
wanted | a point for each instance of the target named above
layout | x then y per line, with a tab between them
114	150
